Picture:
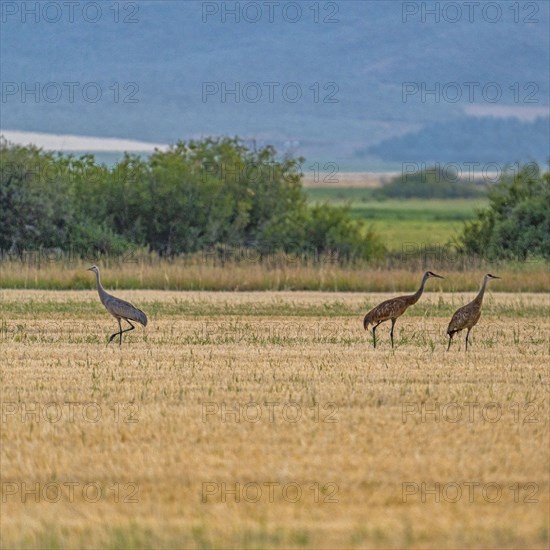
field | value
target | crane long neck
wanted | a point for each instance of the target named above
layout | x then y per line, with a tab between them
101	291
479	297
416	296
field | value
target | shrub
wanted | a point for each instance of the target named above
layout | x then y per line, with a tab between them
517	222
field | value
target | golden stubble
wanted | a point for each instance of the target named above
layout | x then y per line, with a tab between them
279	408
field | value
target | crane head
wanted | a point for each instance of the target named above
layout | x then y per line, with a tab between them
432	274
94	268
489	276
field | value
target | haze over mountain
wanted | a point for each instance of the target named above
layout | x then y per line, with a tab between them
383	83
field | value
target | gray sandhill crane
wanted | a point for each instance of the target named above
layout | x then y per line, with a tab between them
467	316
394	308
119	309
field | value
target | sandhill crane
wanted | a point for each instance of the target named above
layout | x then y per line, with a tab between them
394	308
467	316
120	309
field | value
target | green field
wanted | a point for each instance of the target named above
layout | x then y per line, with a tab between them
423	222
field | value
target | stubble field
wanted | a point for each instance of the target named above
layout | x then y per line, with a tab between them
267	420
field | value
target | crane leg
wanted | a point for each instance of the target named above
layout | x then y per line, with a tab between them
120	331
467	334
132	327
116	333
374	334
451	334
391	331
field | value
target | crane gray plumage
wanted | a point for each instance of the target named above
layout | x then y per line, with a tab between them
119	309
467	316
394	308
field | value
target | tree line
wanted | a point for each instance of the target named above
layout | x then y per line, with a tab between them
215	192
218	193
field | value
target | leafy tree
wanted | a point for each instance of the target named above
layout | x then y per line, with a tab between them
517	222
31	199
431	183
196	195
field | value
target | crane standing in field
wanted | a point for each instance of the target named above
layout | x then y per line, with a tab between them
394	308
467	316
119	309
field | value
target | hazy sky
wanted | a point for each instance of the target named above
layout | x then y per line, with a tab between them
328	79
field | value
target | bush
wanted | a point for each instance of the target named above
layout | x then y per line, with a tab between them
194	196
33	211
331	230
431	183
517	222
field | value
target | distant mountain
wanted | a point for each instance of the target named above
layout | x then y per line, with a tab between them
482	140
363	81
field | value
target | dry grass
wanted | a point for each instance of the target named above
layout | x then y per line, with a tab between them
203	350
346	180
204	272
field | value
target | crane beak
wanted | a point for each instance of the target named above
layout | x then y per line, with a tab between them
438	276
90	269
